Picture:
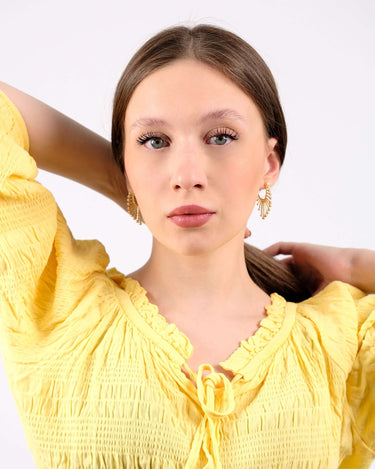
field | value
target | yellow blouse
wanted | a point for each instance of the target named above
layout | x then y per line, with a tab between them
96	370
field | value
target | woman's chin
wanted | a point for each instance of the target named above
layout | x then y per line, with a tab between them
195	242
193	246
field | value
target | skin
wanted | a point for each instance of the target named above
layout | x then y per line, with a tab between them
195	276
198	273
64	147
190	170
320	265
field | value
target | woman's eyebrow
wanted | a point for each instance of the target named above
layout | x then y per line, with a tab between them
148	122
222	114
212	115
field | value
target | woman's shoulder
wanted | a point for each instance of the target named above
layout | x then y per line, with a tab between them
341	301
341	314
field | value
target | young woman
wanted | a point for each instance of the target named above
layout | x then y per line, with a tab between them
220	364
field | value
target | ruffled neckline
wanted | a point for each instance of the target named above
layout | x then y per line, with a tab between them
156	321
272	329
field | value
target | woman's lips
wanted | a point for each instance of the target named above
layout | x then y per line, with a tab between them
190	216
192	220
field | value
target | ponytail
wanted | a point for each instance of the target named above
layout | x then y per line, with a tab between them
272	275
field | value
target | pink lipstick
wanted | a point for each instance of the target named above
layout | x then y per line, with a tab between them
190	216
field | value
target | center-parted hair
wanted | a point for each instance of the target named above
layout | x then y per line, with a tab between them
237	60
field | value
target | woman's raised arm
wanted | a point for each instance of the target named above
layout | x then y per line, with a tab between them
63	146
319	265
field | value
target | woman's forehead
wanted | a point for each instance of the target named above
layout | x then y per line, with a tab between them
187	87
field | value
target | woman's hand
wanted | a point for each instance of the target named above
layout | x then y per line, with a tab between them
319	265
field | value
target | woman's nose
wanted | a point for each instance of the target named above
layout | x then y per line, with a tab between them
188	171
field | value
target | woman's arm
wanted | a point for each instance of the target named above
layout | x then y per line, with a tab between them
363	269
62	146
320	265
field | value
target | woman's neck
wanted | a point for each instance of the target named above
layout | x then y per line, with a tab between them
215	284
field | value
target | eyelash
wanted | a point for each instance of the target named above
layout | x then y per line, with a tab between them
216	133
223	132
148	136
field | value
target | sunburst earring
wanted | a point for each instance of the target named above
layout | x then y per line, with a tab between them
133	208
265	203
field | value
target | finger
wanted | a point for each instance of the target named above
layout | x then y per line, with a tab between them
287	260
272	250
283	247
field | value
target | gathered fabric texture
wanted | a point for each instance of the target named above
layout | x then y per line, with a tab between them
97	372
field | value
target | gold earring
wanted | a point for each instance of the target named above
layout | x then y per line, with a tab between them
264	203
133	208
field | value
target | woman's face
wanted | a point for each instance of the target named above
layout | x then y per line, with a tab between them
194	138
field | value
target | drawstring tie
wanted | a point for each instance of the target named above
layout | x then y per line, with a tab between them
216	397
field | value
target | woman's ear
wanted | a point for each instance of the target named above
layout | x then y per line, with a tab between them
272	167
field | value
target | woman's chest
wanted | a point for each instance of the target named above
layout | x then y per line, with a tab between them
126	400
214	341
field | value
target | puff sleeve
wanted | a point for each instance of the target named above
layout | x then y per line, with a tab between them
345	319
360	391
41	265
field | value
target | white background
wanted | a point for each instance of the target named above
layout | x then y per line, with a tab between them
322	53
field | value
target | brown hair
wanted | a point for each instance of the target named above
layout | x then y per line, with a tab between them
236	59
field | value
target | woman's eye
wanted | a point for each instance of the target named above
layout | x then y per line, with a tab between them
219	139
152	142
222	139
155	143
